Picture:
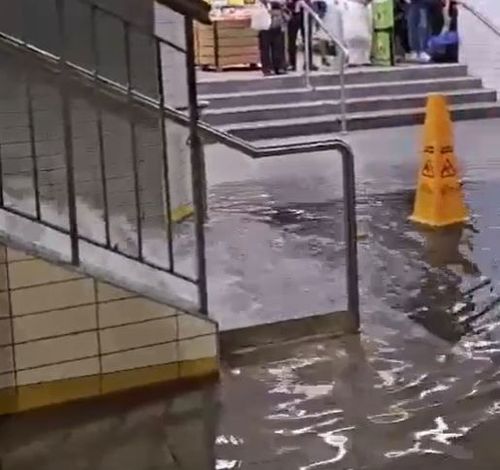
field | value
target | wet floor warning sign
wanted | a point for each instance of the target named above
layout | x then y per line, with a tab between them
448	170
428	170
439	200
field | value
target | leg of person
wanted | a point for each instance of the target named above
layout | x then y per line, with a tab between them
293	30
277	49
454	52
423	34
402	48
312	67
401	32
265	52
323	50
436	19
405	42
412	19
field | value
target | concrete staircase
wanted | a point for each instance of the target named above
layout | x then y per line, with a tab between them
281	107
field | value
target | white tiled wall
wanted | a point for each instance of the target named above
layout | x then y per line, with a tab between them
480	48
170	26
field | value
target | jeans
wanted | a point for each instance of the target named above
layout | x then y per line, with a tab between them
418	27
272	50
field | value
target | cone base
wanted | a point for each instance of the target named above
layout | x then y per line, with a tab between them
440	224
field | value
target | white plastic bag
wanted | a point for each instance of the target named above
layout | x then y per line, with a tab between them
261	18
357	30
332	21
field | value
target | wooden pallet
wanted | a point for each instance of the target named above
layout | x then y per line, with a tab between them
226	43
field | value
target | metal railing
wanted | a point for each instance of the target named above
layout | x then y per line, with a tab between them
482	18
65	64
67	71
310	14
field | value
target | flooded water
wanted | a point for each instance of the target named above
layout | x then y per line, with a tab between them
420	385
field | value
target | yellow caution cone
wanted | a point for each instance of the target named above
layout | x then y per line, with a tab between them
439	200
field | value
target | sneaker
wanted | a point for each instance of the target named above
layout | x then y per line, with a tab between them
424	57
411	57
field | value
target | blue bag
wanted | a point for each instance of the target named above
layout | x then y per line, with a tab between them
438	46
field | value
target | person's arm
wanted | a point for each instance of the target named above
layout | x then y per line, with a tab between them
446	15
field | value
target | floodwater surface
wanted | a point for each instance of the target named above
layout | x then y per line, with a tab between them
419	387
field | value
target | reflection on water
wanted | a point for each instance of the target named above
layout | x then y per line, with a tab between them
422	381
420	386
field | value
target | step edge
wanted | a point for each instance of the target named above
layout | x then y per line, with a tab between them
352	116
318	103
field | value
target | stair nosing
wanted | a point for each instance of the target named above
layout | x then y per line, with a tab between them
349	71
218	96
317	103
350	117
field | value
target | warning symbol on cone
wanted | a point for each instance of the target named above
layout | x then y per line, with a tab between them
427	170
448	170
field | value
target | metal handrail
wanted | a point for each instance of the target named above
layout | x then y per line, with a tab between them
344	57
338	42
482	18
60	64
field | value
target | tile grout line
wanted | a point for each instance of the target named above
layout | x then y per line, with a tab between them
98	333
9	298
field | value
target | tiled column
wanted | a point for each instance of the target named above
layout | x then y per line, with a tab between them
66	336
7	363
54	321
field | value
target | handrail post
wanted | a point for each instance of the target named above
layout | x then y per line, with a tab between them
343	103
307	46
350	228
68	137
309	14
197	166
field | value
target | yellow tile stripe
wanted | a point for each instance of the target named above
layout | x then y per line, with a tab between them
30	397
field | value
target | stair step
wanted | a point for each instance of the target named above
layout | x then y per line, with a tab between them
301	95
353	76
283	128
229	116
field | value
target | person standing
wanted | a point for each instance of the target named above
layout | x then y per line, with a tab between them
443	16
401	29
417	17
296	24
272	40
444	19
